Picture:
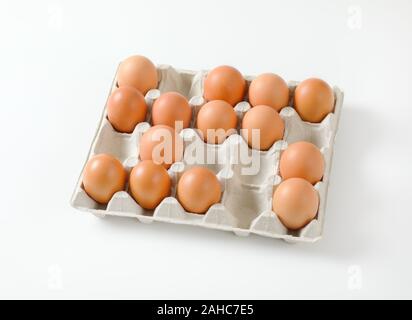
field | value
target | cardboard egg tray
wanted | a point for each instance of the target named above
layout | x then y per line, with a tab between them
245	206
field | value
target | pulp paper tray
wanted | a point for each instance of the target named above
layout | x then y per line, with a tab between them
246	203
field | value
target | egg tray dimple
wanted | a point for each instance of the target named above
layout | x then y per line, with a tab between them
245	206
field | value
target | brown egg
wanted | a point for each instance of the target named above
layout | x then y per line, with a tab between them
126	107
198	189
296	202
314	100
162	145
171	107
103	176
269	89
149	184
302	160
138	72
266	121
225	83
216	120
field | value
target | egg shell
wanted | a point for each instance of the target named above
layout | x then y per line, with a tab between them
198	189
149	184
269	89
313	100
138	72
161	144
296	203
216	120
171	107
225	83
103	176
126	107
268	122
302	159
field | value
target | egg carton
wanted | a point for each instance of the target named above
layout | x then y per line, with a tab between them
245	206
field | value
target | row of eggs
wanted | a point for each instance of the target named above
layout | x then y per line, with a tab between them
295	200
224	87
313	98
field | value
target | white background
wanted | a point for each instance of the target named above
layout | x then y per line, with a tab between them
57	60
